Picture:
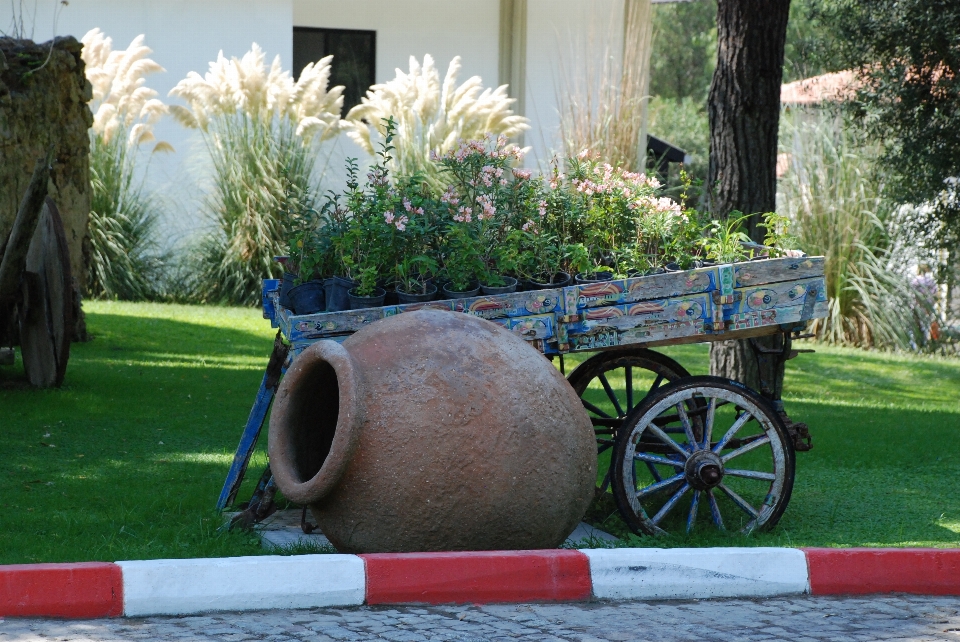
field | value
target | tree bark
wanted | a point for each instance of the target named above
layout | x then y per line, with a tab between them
744	110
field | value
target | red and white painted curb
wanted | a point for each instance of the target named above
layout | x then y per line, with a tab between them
178	587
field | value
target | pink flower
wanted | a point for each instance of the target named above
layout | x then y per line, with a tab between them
388	217
486	203
542	208
464	215
529	226
450	197
522	174
401	223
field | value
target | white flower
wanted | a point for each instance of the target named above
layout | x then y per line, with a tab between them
432	116
248	86
121	102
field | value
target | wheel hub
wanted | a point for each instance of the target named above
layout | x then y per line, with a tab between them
703	470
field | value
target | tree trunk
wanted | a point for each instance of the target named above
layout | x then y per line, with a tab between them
744	109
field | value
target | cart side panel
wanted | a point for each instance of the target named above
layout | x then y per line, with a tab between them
643	288
673	284
531	315
752	273
709	316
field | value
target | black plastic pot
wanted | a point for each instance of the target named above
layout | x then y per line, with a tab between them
510	286
418	297
560	280
308	298
594	277
361	302
466	294
672	267
287	284
337	288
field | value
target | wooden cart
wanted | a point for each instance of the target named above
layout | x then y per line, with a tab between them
36	288
678	452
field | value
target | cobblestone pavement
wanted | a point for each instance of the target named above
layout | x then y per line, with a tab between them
795	619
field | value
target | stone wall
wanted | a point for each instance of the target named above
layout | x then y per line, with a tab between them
43	102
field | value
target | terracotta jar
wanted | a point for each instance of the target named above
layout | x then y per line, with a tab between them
433	431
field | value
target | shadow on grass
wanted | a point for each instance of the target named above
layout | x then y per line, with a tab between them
127	459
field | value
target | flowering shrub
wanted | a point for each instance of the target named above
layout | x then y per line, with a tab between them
430	117
123	259
623	222
491	220
260	129
477	204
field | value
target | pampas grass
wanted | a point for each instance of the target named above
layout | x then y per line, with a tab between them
124	259
261	131
603	101
832	192
431	117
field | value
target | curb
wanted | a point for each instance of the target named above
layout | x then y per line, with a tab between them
189	586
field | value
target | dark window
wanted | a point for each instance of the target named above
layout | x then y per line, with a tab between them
354	58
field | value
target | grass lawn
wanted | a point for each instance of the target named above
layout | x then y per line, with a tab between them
127	459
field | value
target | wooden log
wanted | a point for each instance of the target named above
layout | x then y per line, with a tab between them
46	310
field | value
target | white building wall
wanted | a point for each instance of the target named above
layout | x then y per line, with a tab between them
185	36
564	37
442	28
569	44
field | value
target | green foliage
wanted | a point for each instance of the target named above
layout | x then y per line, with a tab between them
125	262
778	237
492	221
364	230
908	57
833	193
684	50
810	46
725	243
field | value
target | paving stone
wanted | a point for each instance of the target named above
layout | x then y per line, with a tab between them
801	619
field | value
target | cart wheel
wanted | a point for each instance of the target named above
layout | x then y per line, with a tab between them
741	467
612	383
46	314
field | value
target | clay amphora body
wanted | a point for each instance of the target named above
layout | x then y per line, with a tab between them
431	431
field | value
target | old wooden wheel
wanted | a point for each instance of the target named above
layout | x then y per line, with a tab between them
612	383
736	471
45	313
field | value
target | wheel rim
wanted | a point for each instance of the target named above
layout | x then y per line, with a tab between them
736	474
611	384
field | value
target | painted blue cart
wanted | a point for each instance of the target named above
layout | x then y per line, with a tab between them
672	446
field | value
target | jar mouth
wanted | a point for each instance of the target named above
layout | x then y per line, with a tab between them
314	422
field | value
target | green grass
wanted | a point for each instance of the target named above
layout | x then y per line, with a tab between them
86	477
127	459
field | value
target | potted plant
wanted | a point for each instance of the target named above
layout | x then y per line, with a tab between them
414	279
483	192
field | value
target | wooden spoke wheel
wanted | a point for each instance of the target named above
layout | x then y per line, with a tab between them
45	314
735	473
611	384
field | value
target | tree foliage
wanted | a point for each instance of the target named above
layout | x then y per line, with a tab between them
907	53
684	49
